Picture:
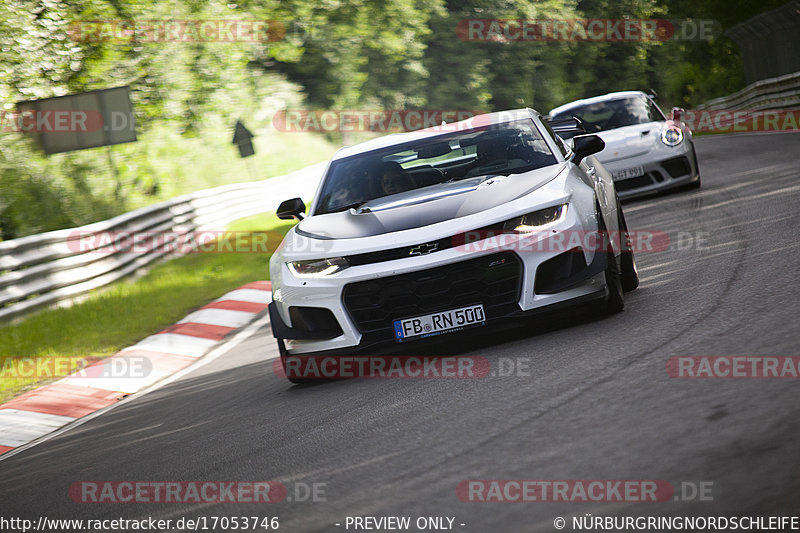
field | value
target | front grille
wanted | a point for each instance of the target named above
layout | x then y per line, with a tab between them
559	272
404	252
494	281
633	183
678	166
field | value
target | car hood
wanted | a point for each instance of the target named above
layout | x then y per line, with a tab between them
630	141
427	205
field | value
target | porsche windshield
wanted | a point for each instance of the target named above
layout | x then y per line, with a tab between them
611	114
503	149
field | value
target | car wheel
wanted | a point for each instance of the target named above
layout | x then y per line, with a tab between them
630	274
284	355
613	301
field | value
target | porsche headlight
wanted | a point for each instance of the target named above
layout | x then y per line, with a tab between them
537	220
672	136
318	267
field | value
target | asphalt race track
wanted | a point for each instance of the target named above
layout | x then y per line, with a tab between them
598	402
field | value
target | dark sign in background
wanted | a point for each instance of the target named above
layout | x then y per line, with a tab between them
79	121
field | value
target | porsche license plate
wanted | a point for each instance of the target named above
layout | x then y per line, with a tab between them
438	323
626	173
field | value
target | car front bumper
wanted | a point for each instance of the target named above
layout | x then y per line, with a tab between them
511	275
662	172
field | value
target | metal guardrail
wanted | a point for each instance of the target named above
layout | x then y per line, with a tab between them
781	92
41	270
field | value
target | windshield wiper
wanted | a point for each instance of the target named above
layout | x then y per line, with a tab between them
354	205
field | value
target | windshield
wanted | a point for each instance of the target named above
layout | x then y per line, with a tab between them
504	149
612	114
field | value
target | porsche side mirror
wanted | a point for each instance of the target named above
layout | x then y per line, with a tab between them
291	209
585	145
677	112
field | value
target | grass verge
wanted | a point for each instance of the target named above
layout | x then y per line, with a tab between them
127	311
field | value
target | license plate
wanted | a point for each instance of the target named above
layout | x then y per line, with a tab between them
626	173
438	323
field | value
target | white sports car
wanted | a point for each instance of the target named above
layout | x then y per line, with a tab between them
645	152
432	232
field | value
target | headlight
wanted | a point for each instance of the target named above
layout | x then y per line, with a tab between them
672	136
318	267
536	220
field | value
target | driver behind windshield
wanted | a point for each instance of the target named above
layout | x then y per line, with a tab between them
394	179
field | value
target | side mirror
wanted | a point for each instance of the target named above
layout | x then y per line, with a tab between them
585	145
291	209
676	113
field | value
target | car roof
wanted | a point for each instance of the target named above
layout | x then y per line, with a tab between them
596	99
392	139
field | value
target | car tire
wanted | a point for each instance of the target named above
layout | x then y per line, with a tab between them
613	302
629	272
283	354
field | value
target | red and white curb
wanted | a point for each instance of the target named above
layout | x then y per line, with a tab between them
46	409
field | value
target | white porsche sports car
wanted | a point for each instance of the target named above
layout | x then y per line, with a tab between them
645	152
432	232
